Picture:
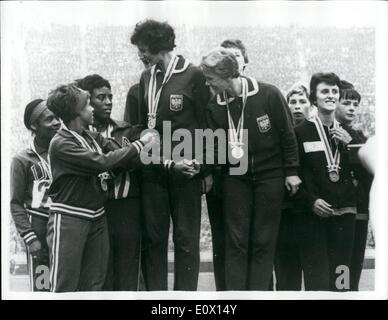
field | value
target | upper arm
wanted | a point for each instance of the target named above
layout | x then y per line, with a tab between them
19	177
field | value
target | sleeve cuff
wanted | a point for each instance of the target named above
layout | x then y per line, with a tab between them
138	145
29	237
291	172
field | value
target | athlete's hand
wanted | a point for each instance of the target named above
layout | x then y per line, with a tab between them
322	208
341	135
292	184
34	247
188	168
150	137
185	168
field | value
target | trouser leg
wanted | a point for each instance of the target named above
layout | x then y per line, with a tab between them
185	197
340	246
360	237
288	269
123	216
66	238
156	224
216	220
95	257
313	252
39	263
267	203
237	207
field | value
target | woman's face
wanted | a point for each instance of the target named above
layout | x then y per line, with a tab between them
299	105
239	57
146	56
215	82
101	101
327	97
86	114
346	110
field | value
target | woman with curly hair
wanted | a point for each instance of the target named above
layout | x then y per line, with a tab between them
172	93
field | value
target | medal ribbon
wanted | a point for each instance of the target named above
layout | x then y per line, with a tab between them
332	161
236	136
120	178
153	96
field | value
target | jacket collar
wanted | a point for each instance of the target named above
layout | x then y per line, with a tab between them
253	88
38	149
180	67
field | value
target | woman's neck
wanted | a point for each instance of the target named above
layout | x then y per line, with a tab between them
100	124
235	88
165	60
327	118
77	125
42	142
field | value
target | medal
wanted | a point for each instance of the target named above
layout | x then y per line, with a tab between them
334	176
333	161
151	121
153	96
237	152
103	177
236	135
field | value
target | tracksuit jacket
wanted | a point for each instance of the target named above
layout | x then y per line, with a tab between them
315	179
187	84
27	170
76	189
272	147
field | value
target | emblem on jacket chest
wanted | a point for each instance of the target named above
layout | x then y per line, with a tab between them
263	123
176	102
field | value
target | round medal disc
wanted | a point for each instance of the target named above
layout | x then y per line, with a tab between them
237	152
334	176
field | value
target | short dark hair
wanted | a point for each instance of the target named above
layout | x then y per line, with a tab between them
236	43
156	36
330	78
63	100
28	112
91	82
349	92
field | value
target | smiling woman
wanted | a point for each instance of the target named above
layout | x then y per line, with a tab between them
327	228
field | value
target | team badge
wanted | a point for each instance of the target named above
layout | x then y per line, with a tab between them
263	123
125	142
176	102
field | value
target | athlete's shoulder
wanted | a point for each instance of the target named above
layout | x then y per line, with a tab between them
23	156
305	127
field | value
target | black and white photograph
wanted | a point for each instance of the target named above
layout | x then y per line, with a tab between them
184	150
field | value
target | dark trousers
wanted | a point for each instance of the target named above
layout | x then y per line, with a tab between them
326	244
216	220
39	263
123	217
288	269
79	251
252	212
360	237
164	195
